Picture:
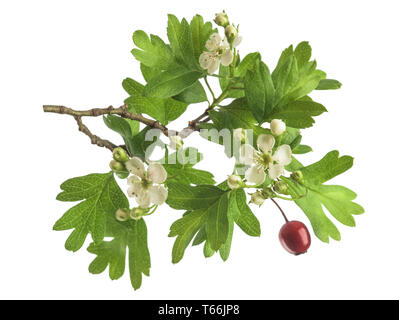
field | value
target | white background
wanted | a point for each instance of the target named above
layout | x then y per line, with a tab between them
76	53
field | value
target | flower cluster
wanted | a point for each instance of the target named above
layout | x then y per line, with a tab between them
220	50
145	185
263	158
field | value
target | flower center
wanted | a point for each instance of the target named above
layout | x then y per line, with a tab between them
265	159
146	183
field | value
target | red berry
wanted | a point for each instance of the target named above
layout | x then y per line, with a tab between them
295	237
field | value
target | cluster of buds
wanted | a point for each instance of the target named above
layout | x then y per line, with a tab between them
230	31
117	165
124	214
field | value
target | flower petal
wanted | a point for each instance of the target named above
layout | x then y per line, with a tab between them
256	175
283	155
143	200
248	154
265	142
156	173
275	171
227	58
237	41
136	167
157	194
135	190
214	65
205	60
214	42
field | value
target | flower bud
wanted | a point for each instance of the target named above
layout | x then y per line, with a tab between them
120	155
176	142
117	166
137	213
277	127
297	176
257	198
122	175
280	187
231	33
222	19
234	181
122	215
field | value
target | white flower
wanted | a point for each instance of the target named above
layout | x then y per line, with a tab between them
263	159
219	52
277	127
145	185
234	181
175	142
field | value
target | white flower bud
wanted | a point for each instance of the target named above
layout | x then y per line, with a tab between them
277	127
257	198
231	33
221	19
175	142
122	215
234	181
137	213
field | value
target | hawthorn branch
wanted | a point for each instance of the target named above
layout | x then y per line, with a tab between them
93	138
96	112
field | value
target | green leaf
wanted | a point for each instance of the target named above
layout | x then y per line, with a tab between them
336	199
200	33
131	235
154	52
171	82
188	175
328	84
124	128
223	82
141	147
101	197
295	76
259	91
303	53
179	166
212	217
298	114
327	168
301	149
193	94
185	229
179	35
226	247
163	110
242	214
249	63
217	224
285	74
312	195
185	197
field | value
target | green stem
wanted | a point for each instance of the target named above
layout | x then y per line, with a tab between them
151	212
281	210
209	87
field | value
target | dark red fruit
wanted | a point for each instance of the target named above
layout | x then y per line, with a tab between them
295	237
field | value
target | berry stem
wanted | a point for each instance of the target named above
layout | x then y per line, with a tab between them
281	210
